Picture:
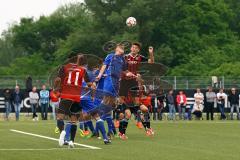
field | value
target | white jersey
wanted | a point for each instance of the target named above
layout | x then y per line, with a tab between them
199	97
221	98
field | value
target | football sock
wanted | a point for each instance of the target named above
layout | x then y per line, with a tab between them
85	126
101	128
110	124
123	125
139	116
60	125
89	124
81	125
68	130
73	131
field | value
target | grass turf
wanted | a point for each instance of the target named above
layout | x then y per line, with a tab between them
197	140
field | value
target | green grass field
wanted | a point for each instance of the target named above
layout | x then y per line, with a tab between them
196	140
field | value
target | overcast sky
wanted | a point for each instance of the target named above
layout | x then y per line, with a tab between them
12	10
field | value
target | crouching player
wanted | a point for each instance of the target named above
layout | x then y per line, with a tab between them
69	84
145	105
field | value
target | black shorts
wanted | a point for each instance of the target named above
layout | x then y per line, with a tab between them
127	86
123	108
68	107
134	109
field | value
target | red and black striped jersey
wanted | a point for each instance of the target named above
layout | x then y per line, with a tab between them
133	62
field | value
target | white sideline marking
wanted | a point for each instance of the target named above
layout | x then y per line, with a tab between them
50	138
40	149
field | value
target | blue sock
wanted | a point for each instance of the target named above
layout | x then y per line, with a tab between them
90	126
60	125
68	130
110	124
100	126
81	125
96	130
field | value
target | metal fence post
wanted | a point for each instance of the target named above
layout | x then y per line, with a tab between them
175	82
223	82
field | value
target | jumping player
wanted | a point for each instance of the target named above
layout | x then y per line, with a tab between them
114	66
133	60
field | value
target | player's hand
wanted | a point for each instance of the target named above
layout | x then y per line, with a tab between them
97	78
138	76
130	74
150	50
93	86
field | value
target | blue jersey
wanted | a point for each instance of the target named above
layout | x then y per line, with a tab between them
115	64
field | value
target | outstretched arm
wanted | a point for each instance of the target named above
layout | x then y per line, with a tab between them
102	70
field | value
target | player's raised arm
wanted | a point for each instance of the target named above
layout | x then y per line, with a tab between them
102	70
151	54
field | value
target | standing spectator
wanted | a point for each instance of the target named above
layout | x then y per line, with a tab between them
214	81
154	105
29	86
171	106
7	99
160	102
221	96
33	95
44	101
181	104
17	98
54	97
210	98
233	98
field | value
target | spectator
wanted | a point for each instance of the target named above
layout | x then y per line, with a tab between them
181	104
7	99
17	98
29	86
210	98
221	96
154	105
160	102
214	81
33	95
44	101
197	109
198	96
171	105
54	97
233	98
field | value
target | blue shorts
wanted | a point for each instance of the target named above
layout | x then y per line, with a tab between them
87	105
106	116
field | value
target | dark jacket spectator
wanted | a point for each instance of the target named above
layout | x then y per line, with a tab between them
29	84
233	99
7	95
17	98
7	99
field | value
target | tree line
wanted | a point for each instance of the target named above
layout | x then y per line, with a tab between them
191	37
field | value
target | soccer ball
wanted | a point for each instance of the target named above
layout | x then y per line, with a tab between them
131	21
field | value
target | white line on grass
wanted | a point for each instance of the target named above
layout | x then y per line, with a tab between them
50	138
40	149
